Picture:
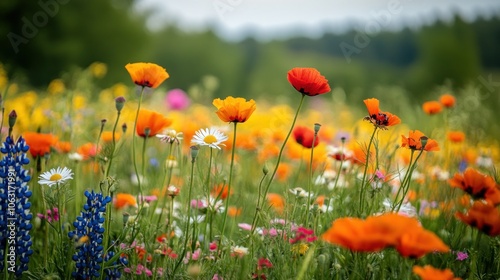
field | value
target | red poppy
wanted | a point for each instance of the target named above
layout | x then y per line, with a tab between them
147	74
377	117
416	141
153	121
432	107
39	143
305	136
477	184
484	217
308	81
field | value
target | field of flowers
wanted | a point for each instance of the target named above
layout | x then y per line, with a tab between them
137	182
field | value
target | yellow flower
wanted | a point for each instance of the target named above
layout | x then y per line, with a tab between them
56	86
232	109
300	249
98	69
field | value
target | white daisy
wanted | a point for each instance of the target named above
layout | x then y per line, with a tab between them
55	176
209	137
170	136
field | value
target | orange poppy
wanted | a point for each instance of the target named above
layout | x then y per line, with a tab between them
484	217
308	81
417	242
456	136
233	211
39	143
124	199
232	109
430	273
284	171
305	136
151	120
447	100
107	136
147	74
377	117
416	139
221	191
432	107
63	147
276	201
477	184
87	150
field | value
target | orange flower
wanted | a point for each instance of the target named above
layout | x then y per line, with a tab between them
63	147
416	139
447	100
377	117
221	191
151	120
430	273
276	201
232	109
284	171
456	136
417	242
124	199
432	107
87	150
305	136
233	211
39	143
107	136
484	217
478	185
308	81
147	74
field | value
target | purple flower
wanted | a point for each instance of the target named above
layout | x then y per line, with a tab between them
177	99
462	256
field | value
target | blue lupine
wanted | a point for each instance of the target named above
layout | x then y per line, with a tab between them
15	215
89	231
114	271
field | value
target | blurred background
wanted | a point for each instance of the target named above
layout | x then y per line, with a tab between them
418	47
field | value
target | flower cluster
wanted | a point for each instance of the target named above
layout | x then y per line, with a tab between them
15	215
89	231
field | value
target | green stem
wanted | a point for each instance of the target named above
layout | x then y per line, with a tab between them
186	231
134	156
230	178
266	189
363	181
309	181
407	180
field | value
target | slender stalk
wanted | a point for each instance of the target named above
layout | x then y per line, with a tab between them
363	181
280	154
309	180
230	178
186	231
134	156
408	180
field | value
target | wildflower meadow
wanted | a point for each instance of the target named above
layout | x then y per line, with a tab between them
144	181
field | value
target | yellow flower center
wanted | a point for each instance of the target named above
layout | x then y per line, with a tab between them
209	139
55	177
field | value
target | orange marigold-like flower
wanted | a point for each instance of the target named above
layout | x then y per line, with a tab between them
39	143
88	150
305	136
147	74
63	147
430	273
418	141
308	81
477	184
483	216
447	100
151	120
432	107
456	136
232	109
377	117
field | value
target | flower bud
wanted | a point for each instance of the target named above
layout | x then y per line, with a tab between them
119	103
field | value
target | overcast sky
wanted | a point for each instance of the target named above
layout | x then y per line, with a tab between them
266	19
